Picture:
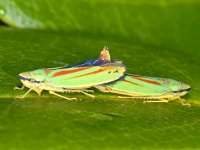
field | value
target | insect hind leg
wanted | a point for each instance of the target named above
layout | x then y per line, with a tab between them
87	94
52	92
125	97
90	91
156	101
82	91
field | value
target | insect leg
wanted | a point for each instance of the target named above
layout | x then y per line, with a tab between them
157	101
17	88
82	91
72	90
87	94
52	92
124	97
38	91
182	101
92	91
21	97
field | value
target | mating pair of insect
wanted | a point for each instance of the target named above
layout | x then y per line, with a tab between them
106	75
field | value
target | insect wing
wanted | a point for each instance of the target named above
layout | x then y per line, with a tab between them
83	77
139	86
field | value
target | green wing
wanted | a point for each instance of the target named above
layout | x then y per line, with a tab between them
82	77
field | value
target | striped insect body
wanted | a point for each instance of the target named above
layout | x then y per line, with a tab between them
151	89
107	76
76	78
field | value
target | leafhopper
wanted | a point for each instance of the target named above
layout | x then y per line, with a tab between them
74	78
150	89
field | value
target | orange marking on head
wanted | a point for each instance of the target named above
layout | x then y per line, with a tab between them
148	81
69	71
47	71
131	82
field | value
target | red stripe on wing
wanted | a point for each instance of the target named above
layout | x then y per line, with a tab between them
131	82
94	72
60	73
148	81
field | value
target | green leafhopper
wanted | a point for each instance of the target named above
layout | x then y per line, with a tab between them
74	78
150	89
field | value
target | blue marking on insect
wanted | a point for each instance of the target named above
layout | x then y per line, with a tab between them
32	80
101	61
184	90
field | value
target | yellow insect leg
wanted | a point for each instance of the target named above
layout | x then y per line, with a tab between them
125	97
157	101
182	101
52	92
87	94
17	88
21	97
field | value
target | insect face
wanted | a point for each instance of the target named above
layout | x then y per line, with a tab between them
179	88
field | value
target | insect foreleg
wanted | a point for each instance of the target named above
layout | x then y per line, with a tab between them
17	88
52	92
182	101
21	97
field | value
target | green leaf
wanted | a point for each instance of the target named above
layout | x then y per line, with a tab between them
169	24
48	122
157	38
